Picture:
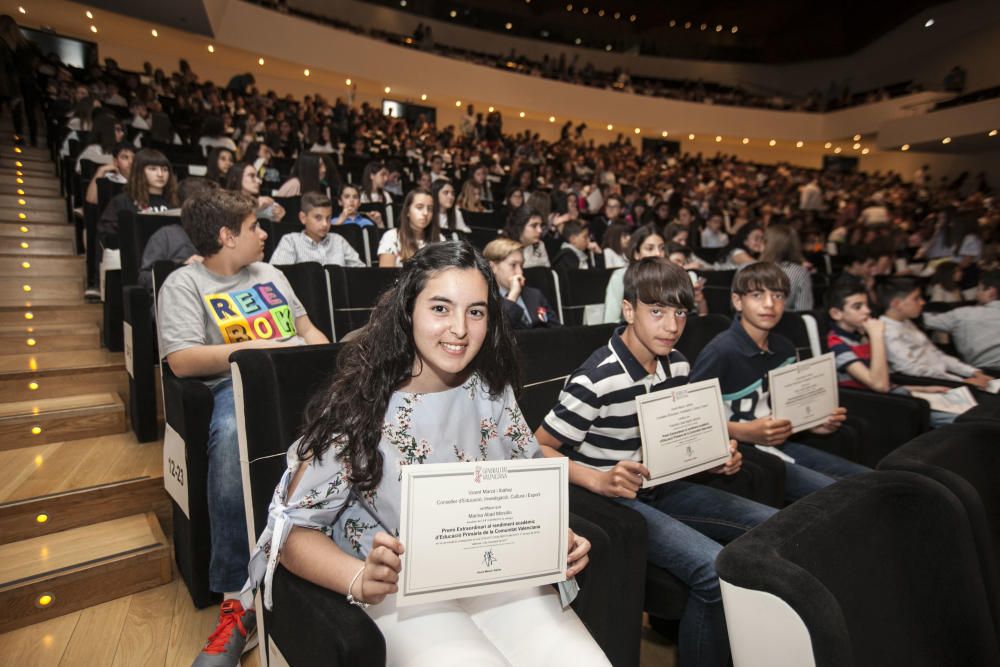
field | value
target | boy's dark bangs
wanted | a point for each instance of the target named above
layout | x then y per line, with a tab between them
760	277
666	293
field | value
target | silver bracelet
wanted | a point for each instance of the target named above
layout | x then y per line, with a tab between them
350	596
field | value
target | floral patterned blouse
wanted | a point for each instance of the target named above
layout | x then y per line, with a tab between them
460	424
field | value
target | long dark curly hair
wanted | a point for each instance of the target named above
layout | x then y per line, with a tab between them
349	413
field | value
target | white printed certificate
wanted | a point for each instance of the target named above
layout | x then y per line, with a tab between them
805	393
683	431
482	527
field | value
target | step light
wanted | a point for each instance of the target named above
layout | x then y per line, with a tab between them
31	342
22	216
26	288
42	517
45	600
25	265
32	386
36	430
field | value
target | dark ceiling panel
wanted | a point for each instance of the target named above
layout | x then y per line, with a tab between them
770	31
186	15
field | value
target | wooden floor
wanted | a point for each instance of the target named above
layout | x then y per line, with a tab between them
161	627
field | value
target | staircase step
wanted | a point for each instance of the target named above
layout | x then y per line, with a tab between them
38	187
16	246
80	567
57	338
57	374
42	315
46	182
29	231
42	266
27	168
32	203
79	482
13	215
40	291
10	150
29	423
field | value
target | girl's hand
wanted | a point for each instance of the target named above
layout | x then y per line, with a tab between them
577	557
382	568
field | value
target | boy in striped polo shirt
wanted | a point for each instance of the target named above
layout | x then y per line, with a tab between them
596	426
742	357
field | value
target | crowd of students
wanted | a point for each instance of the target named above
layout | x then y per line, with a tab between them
438	352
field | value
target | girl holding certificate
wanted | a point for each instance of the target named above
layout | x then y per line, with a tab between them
431	379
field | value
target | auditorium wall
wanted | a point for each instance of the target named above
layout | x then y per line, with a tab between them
966	32
288	44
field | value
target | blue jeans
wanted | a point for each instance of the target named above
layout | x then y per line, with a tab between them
227	570
684	521
813	469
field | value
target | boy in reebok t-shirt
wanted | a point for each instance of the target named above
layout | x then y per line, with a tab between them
205	312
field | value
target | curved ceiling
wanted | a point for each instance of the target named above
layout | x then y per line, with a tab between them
766	31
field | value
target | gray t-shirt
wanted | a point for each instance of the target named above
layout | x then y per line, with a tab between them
197	307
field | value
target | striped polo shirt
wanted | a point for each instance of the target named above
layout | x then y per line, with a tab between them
595	417
742	369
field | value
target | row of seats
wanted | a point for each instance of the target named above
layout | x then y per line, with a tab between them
273	387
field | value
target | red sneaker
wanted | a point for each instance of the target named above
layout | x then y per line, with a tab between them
233	636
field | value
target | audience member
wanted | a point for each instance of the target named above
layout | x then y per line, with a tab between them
417	227
315	243
523	306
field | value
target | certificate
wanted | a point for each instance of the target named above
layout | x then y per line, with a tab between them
805	393
482	527
954	401
683	431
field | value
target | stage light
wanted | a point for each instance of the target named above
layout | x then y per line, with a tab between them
856	146
946	140
828	145
771	143
718	28
93	28
837	150
260	61
664	134
552	119
211	49
423	98
610	127
928	23
865	151
746	141
154	32
718	138
306	71
734	29
857	137
508	25
387	90
521	114
90	15
991	133
638	131
904	147
799	144
453	13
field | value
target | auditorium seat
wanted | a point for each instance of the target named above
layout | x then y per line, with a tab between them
353	294
271	390
875	570
545	280
138	325
581	295
187	411
964	457
308	281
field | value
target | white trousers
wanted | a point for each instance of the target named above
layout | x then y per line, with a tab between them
521	628
111	260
